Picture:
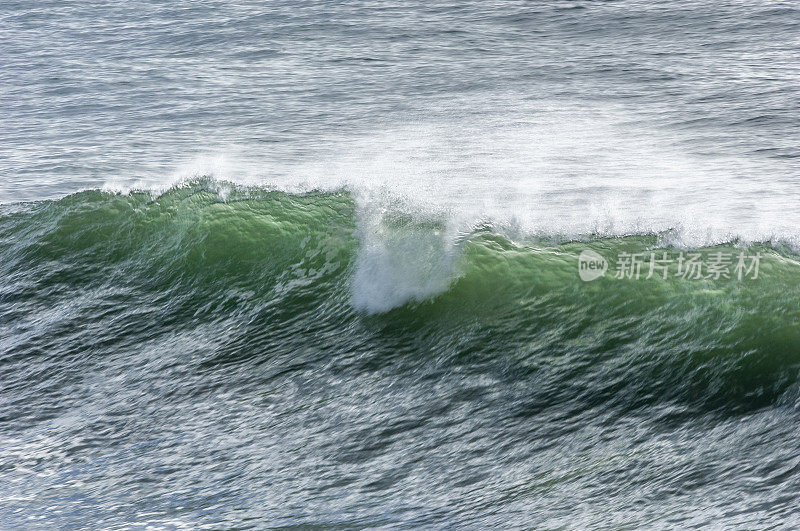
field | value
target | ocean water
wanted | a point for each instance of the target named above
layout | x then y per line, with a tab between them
322	264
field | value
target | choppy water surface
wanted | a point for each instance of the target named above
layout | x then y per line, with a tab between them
300	263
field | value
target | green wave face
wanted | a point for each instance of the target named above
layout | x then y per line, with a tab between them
264	274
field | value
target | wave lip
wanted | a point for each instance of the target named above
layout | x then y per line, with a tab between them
386	253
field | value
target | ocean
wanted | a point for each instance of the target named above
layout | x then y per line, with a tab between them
361	264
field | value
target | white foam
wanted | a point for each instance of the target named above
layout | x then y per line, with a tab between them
545	170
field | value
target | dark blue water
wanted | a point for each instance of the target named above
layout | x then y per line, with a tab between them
296	263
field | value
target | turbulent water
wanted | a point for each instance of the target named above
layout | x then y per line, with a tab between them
323	264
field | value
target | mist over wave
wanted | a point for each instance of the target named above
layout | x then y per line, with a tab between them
546	171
